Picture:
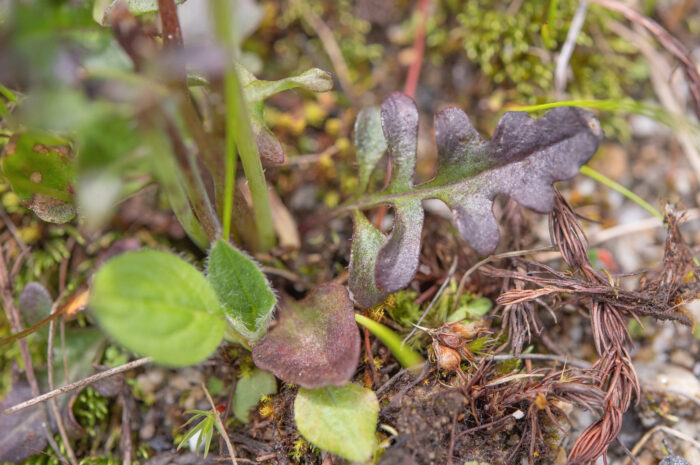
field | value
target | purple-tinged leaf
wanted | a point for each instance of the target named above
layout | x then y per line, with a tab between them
315	341
523	158
397	261
366	242
400	125
370	143
34	303
269	147
22	435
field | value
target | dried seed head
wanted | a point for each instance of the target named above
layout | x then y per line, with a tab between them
447	358
467	331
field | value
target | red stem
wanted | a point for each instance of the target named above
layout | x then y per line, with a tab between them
418	49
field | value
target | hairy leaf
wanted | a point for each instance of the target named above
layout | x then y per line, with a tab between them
158	305
39	168
522	160
242	288
315	341
249	389
340	420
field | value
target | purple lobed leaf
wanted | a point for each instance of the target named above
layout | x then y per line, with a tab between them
366	243
523	158
315	342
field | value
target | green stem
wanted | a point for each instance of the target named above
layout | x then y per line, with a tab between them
8	94
407	357
223	30
172	184
230	89
243	136
593	174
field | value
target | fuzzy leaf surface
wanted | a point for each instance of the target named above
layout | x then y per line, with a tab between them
315	342
158	305
242	288
523	158
39	168
340	420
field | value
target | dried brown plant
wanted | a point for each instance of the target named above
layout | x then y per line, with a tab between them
528	398
661	294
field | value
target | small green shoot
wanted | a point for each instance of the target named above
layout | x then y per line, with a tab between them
200	434
407	357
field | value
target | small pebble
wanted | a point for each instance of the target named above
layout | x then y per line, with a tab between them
674	460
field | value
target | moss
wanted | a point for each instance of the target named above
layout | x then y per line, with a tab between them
508	48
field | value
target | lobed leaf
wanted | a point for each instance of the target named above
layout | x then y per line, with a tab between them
340	420
158	305
314	80
366	243
523	158
315	341
370	143
257	90
242	288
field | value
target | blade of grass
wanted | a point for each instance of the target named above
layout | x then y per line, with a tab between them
593	174
407	357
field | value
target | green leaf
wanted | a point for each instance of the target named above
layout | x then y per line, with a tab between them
370	143
249	390
39	168
340	420
256	90
475	308
315	80
242	288
158	305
